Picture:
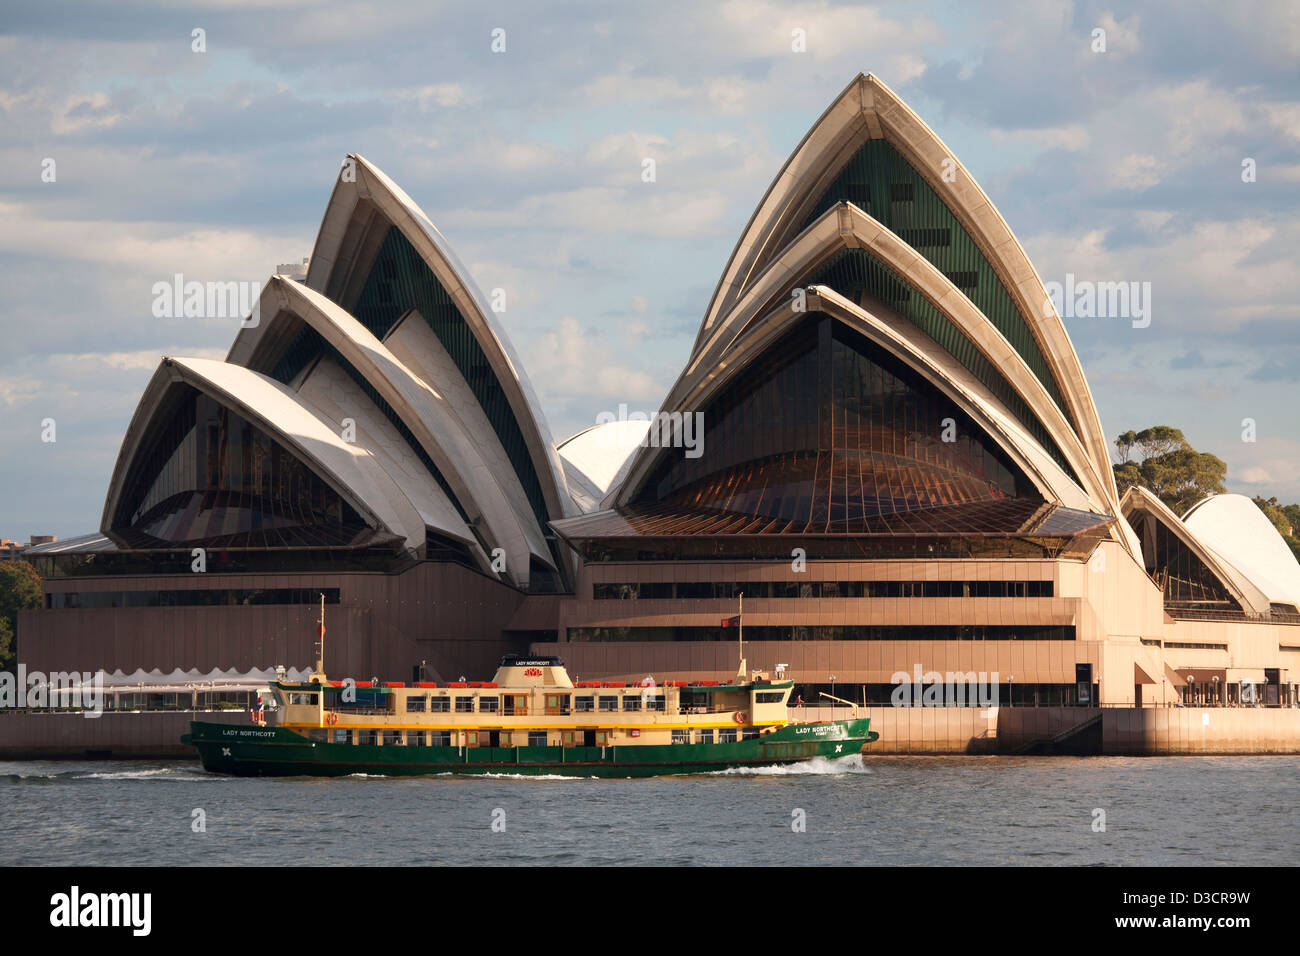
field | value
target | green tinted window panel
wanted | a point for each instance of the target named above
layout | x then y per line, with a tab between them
854	271
829	430
212	476
903	201
400	281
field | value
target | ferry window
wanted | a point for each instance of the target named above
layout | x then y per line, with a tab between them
464	705
767	697
489	705
370	737
318	734
416	705
602	738
471	738
681	736
440	738
654	702
415	738
632	702
693	701
537	738
566	738
439	705
507	739
727	735
342	736
706	736
583	704
557	704
749	733
392	737
517	704
608	702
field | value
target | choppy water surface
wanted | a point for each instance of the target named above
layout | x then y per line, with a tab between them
878	810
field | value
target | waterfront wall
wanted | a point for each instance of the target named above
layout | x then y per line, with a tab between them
136	736
1147	731
1211	730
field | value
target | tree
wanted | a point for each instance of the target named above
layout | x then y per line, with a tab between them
20	588
1161	460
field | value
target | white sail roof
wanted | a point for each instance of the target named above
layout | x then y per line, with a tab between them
1239	532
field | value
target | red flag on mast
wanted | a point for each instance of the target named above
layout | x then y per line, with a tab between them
733	621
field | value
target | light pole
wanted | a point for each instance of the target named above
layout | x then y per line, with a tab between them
1011	690
1215	681
832	689
1191	690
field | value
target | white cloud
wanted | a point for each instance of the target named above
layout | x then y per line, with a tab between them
1137	171
1197	270
649	209
147	248
432	96
764	28
1122	36
573	364
80	112
1072	137
625	87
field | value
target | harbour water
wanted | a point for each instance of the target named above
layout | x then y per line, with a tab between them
1161	811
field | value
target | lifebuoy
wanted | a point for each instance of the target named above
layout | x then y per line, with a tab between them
742	717
332	719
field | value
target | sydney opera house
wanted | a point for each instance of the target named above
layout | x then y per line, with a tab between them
902	469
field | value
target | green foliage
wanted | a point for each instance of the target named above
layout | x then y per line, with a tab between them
6	645
1161	460
1150	443
20	588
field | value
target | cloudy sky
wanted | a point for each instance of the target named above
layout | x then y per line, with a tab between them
1117	166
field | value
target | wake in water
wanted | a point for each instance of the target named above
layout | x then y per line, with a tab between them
62	772
816	767
186	774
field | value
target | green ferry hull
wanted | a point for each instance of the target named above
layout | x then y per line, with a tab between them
278	752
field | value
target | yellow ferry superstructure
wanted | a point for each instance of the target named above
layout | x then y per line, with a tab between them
530	719
532	702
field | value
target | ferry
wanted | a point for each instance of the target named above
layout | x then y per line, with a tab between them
529	719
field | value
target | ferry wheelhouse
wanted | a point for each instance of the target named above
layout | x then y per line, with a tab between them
530	718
